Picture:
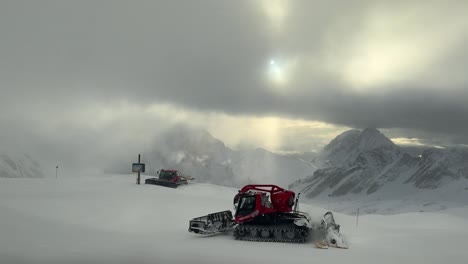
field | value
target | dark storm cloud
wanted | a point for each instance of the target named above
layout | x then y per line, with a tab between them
117	49
211	56
434	111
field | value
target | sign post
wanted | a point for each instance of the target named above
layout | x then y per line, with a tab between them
357	217
138	179
138	167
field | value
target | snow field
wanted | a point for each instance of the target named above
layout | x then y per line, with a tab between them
110	219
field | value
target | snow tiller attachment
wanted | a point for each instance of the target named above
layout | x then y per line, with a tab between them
333	237
213	223
328	233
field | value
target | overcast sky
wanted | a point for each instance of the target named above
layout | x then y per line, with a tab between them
82	78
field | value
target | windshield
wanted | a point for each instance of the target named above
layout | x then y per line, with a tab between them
246	205
167	175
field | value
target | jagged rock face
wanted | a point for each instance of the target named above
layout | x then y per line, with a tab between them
364	162
436	165
19	167
405	164
322	181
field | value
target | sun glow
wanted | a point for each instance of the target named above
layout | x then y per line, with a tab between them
379	57
269	132
402	141
276	11
391	47
279	72
276	73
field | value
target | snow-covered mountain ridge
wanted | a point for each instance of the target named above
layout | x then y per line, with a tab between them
366	165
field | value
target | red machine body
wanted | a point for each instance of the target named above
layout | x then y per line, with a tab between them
258	200
169	175
169	178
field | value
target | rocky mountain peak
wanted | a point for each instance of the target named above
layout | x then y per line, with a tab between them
368	165
371	138
346	147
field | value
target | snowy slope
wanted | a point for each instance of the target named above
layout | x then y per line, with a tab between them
110	219
23	166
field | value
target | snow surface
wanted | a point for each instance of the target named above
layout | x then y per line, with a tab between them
110	219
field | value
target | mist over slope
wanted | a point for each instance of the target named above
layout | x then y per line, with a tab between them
197	153
368	167
356	169
22	166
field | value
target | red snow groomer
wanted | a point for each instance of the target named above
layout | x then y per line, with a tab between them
265	213
169	178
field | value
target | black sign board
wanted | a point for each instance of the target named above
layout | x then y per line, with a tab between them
138	167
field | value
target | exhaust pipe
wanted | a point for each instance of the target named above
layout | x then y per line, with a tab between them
296	203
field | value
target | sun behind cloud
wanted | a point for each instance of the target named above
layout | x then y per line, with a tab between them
280	73
395	46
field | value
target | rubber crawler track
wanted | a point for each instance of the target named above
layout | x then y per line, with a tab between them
275	233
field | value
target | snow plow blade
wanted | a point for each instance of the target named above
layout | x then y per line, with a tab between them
333	237
155	181
321	244
211	224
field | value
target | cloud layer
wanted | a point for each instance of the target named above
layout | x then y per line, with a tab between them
67	66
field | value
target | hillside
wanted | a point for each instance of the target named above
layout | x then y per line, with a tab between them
23	166
366	166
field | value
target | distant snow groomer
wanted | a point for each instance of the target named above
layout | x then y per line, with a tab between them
169	178
268	213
